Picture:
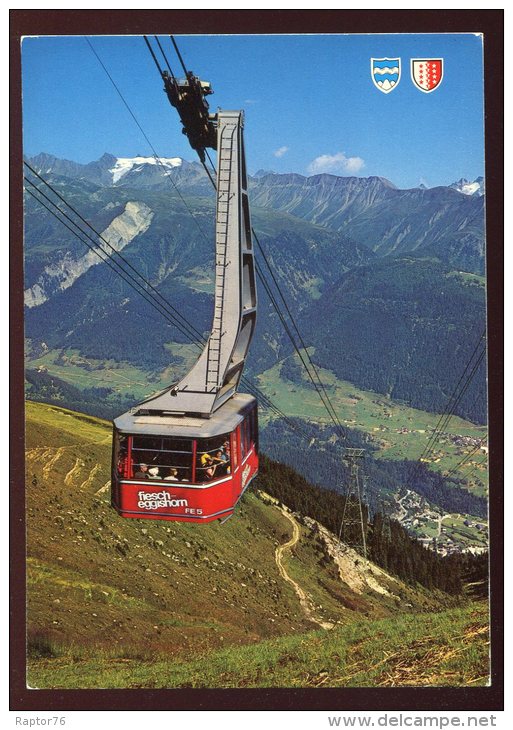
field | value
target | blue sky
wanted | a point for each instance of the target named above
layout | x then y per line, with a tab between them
309	100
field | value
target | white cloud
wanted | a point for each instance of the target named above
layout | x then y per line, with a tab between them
281	151
335	163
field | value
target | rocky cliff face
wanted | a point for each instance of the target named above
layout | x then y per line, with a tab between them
134	220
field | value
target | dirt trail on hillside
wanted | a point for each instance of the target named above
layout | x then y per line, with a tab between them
304	598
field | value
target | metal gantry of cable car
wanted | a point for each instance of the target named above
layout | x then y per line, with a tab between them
189	452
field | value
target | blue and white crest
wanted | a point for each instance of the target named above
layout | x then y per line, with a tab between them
385	73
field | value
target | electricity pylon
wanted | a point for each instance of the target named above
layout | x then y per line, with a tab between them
352	525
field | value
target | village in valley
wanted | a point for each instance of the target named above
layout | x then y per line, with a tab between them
444	533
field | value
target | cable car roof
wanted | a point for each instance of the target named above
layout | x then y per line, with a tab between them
224	420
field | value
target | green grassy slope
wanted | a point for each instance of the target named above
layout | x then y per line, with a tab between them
424	650
109	593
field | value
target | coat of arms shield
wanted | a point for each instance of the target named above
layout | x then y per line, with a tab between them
385	73
427	73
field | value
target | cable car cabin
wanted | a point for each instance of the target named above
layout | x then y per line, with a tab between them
185	469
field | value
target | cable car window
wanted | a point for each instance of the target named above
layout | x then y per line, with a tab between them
157	458
245	437
184	445
147	442
254	424
213	458
235	454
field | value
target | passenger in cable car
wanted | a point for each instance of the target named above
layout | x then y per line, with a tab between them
172	476
209	468
154	473
142	472
221	459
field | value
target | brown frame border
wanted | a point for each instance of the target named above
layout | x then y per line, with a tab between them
117	22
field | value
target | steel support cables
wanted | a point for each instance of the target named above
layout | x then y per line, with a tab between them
121	261
135	280
466	458
461	387
307	361
158	160
455	398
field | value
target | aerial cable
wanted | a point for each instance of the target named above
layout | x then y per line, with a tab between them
466	458
155	155
157	64
473	468
442	425
105	258
454	399
428	451
179	55
330	406
291	336
208	172
165	57
212	164
327	403
118	254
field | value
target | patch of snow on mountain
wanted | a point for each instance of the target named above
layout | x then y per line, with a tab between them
469	188
125	164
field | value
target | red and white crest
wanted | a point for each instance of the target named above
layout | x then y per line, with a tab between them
427	73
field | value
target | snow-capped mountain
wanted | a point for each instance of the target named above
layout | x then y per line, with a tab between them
110	170
469	188
124	165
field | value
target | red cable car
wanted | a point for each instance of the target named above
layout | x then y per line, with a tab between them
188	453
186	469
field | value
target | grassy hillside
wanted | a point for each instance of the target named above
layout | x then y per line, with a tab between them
105	593
425	650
